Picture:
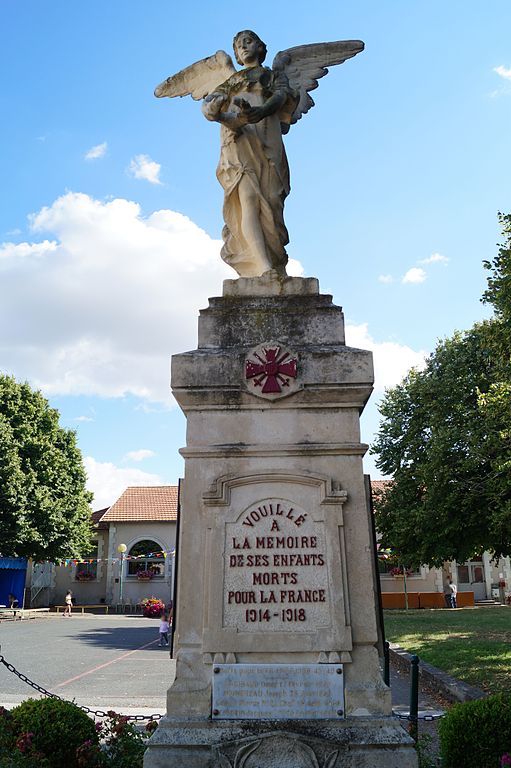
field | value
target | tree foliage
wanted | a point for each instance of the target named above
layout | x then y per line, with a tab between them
498	292
445	439
44	506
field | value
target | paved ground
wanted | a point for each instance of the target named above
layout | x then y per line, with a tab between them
104	662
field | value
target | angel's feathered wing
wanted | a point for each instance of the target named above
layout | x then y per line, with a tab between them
305	64
199	79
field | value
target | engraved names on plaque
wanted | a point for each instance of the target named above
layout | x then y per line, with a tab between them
278	691
275	570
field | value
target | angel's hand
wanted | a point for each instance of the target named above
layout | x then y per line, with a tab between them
250	114
255	114
212	105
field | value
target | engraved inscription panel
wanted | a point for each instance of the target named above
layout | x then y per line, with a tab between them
278	691
275	570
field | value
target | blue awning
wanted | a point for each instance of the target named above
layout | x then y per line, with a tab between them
13	563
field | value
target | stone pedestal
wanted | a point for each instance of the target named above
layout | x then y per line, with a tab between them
275	550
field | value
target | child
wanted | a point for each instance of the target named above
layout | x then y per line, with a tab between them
164	630
69	603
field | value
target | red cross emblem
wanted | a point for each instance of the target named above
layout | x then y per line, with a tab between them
271	372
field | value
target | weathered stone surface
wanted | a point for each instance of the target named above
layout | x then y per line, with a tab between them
373	742
255	107
275	550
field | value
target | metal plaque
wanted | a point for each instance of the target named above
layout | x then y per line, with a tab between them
278	691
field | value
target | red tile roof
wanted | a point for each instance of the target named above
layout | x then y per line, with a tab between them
379	485
148	503
96	519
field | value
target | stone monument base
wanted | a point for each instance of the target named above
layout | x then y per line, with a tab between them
361	742
276	586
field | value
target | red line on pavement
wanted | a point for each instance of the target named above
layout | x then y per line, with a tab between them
106	664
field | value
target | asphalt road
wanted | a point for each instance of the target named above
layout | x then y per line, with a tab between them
103	662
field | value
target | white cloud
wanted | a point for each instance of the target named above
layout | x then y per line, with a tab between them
94	153
391	360
414	275
100	308
435	258
83	418
140	455
23	255
386	279
107	481
294	268
503	72
142	167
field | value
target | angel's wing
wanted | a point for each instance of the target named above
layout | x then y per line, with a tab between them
199	79
305	64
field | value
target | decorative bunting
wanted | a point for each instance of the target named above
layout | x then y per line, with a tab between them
75	561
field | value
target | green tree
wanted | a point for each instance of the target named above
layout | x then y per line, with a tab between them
445	439
433	441
498	292
44	506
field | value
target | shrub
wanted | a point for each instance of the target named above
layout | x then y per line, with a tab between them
152	608
476	734
58	729
122	743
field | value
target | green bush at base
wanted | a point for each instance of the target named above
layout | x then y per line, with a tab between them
477	733
50	733
58	729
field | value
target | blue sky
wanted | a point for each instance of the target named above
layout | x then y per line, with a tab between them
110	212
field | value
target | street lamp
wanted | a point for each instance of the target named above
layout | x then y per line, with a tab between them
121	549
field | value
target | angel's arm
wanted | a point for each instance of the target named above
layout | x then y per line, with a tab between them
213	109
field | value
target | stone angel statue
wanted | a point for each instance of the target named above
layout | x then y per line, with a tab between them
255	106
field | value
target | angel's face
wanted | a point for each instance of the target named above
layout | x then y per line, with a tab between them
247	50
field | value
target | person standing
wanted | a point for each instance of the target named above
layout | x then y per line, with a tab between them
164	630
69	603
454	593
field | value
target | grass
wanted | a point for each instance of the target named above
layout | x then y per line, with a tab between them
472	644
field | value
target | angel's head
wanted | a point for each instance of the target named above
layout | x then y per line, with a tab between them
247	47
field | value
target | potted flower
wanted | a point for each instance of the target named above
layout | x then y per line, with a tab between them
144	575
152	607
85	576
398	572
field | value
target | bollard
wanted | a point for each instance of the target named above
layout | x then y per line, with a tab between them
414	697
386	663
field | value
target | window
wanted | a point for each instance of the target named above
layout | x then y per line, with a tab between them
87	569
146	556
463	574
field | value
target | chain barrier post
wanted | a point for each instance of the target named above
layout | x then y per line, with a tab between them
386	662
414	697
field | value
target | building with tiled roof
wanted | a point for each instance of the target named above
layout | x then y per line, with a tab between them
145	503
379	485
136	535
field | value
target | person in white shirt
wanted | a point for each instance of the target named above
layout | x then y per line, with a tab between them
454	592
164	630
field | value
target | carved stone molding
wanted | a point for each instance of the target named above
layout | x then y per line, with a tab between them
219	493
282	750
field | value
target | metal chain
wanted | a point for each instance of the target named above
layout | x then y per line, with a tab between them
88	710
141	718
